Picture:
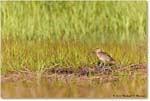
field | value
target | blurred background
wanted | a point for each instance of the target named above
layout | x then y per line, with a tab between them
78	21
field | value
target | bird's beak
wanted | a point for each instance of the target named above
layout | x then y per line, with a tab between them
91	52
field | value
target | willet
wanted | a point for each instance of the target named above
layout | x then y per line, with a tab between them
104	57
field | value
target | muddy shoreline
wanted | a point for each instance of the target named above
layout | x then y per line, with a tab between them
102	73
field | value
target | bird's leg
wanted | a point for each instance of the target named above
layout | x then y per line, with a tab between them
104	66
99	63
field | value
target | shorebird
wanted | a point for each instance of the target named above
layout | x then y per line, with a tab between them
104	57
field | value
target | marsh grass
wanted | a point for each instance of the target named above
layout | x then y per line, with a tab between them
84	21
39	33
37	54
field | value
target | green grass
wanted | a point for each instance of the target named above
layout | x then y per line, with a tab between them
39	33
36	54
83	21
65	33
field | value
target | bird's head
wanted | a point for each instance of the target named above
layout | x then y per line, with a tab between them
97	50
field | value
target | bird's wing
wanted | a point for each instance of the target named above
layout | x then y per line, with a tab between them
108	56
